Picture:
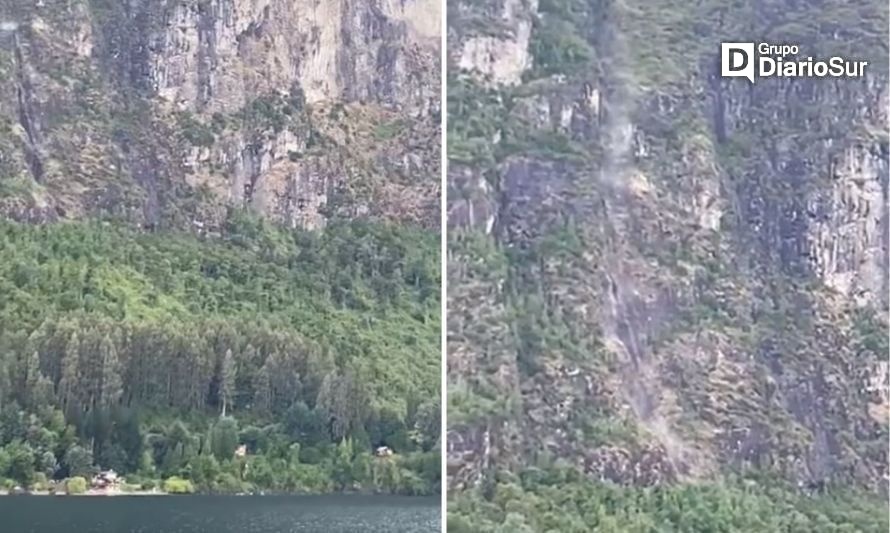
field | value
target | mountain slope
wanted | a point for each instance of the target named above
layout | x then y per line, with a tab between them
219	228
164	113
657	275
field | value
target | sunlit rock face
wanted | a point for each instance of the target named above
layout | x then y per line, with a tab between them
498	49
658	274
170	112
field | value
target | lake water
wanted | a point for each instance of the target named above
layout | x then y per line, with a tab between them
218	514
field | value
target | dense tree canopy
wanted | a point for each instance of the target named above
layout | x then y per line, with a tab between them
561	499
158	354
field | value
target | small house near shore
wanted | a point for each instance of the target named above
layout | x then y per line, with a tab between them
107	479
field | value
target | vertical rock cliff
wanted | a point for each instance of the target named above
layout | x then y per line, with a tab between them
657	274
167	112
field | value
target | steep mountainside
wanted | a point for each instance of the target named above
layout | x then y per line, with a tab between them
219	244
163	113
658	275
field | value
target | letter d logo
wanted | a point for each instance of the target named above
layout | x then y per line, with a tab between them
737	60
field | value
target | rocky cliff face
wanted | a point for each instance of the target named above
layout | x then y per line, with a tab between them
167	112
657	274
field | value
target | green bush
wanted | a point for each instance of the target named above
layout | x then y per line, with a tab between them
40	482
557	47
227	483
177	485
194	131
76	485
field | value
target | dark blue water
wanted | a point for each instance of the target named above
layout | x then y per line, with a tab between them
218	514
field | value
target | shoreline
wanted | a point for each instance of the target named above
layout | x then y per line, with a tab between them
93	493
88	493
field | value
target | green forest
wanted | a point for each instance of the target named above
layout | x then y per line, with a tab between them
560	499
161	354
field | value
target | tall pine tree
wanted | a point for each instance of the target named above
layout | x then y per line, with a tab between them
227	380
112	386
